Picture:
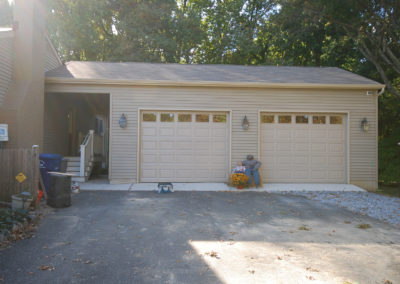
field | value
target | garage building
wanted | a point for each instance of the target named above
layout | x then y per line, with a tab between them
192	123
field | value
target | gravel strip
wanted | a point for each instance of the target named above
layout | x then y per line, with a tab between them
377	206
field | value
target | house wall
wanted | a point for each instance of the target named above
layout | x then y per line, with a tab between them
52	60
6	64
23	105
362	145
242	101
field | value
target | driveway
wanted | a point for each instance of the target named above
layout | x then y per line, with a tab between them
203	237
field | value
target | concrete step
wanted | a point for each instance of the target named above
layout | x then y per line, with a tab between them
74	163
73	169
79	179
73	159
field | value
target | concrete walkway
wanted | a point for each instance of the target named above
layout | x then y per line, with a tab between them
271	187
203	237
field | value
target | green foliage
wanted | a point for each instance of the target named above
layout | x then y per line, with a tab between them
9	218
389	158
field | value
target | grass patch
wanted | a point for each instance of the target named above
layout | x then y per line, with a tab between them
363	226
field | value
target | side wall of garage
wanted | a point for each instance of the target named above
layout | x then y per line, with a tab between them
244	101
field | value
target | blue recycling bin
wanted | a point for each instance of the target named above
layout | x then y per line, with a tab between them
49	163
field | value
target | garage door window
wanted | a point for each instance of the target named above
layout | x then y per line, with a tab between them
285	119
167	117
302	119
149	117
267	118
219	118
318	119
184	117
336	119
202	118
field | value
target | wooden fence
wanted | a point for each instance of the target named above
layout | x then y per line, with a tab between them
14	162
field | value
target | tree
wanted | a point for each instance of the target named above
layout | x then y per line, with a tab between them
373	26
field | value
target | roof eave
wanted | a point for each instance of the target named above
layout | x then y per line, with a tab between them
75	81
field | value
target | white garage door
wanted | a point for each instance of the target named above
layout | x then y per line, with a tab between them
308	148
184	146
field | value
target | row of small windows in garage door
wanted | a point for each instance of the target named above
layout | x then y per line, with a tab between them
302	119
184	117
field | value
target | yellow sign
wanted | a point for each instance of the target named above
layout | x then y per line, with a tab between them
20	177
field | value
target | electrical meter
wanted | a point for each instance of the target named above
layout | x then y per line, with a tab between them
3	132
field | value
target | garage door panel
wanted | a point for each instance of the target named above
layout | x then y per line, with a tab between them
318	161
201	159
303	152
318	174
219	147
318	133
150	131
303	133
300	175
284	134
318	147
184	144
336	148
149	158
166	173
336	162
183	173
336	134
149	173
166	145
301	147
180	151
300	161
165	158
201	132
284	147
183	132
150	145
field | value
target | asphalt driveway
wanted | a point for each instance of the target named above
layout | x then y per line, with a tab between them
203	237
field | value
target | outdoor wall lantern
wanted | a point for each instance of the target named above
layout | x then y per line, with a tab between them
245	123
123	121
364	125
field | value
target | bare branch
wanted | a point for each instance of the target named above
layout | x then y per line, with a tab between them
395	60
367	53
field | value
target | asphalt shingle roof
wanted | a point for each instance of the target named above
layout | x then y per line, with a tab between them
206	73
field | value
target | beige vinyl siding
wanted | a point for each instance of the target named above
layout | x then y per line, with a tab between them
52	61
241	101
6	66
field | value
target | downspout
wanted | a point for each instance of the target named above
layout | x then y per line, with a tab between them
380	92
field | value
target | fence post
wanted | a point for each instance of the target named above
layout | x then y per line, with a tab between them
35	173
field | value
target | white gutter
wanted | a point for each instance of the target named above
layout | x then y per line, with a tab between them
380	92
75	81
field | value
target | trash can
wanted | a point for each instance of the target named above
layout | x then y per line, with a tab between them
49	163
63	166
59	194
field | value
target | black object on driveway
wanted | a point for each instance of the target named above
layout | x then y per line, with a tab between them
59	193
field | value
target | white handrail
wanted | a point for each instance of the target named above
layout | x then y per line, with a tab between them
86	153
